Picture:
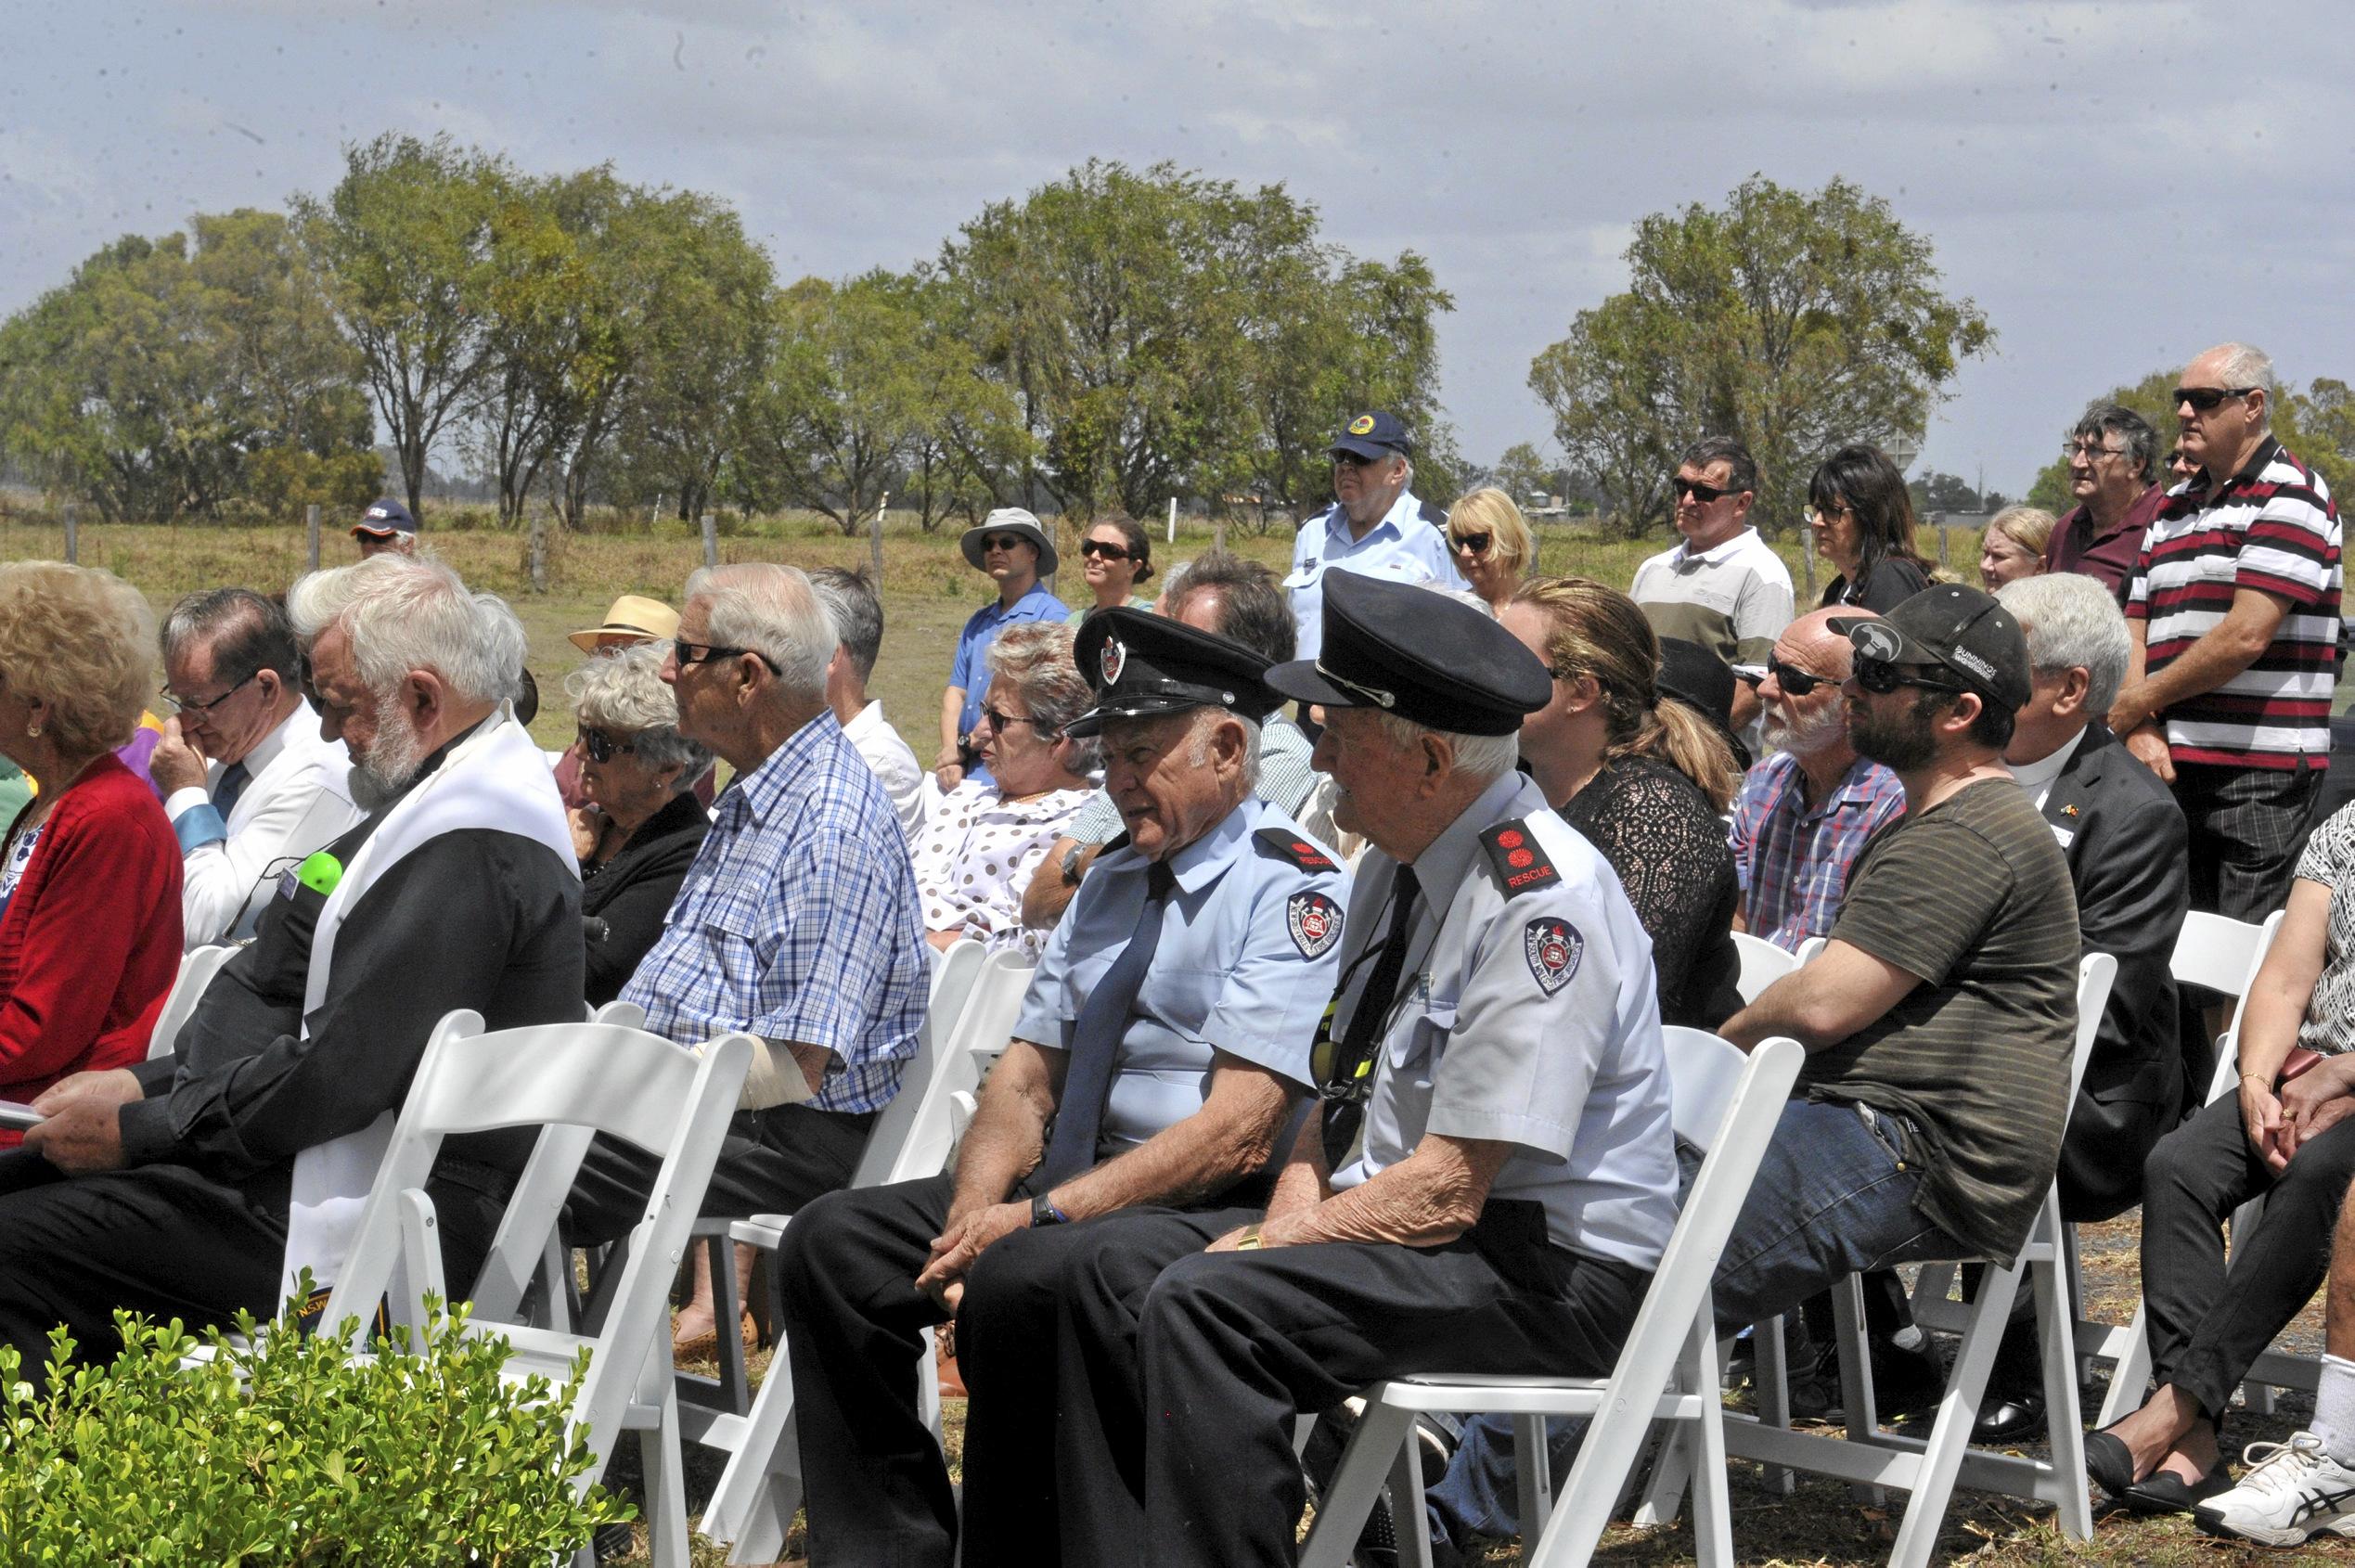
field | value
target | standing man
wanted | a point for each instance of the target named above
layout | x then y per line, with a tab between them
1376	526
1159	1058
2112	459
1722	586
386	525
1804	814
1015	553
250	785
857	612
2228	694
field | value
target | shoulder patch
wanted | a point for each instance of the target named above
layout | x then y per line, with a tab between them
1314	922
1432	514
1519	864
1553	947
1295	848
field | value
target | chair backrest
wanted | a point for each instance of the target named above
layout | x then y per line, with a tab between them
1811	947
2095	972
1762	964
982	1028
2219	953
955	969
197	970
1703	1073
591	1077
2227	1077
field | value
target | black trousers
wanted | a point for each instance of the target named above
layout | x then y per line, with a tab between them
163	1240
2209	1322
2248	828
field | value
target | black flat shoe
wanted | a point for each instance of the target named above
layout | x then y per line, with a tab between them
2109	1463
2168	1493
2018	1420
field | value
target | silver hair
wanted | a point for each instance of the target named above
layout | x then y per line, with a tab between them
774	611
2072	622
2246	366
1485	757
1036	658
622	690
410	612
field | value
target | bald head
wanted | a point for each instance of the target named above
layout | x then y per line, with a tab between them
1811	725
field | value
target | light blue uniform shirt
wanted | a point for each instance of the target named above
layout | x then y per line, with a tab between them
1405	547
1527	1018
1246	962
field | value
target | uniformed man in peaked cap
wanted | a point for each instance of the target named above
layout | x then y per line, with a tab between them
1375	526
1496	1025
1160	1062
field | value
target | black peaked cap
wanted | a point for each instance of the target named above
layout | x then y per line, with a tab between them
1420	654
1142	664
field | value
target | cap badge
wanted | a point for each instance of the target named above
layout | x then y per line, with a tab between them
1554	948
1361	425
1315	923
1113	659
1876	641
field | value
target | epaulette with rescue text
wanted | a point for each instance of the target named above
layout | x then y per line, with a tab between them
1519	864
1293	848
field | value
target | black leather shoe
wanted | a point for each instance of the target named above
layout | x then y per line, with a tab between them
2019	1419
2109	1463
2165	1493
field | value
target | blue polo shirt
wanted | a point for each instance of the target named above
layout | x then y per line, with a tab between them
970	670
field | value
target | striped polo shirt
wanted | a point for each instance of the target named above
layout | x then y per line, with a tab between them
2271	526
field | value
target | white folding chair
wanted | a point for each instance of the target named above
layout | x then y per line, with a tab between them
761	1487
1762	964
580	1078
197	970
1726	1104
1930	1469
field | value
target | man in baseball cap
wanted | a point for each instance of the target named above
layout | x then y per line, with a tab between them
386	525
1376	526
1943	635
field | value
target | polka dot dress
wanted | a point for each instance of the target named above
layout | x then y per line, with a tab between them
976	854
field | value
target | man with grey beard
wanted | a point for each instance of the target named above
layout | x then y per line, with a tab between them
196	1185
1804	814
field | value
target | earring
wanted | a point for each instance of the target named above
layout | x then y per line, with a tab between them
32	730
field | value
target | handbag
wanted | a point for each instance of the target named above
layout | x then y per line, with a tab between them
2299	1060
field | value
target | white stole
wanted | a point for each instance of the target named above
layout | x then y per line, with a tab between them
498	780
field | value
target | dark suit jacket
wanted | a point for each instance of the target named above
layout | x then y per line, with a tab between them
632	891
2127	844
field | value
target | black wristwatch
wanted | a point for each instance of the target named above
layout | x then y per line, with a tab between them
1044	1214
1070	865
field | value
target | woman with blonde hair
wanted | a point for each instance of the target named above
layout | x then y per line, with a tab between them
89	870
1642	776
1492	545
2012	546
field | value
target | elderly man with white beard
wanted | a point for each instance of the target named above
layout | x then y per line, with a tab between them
200	1183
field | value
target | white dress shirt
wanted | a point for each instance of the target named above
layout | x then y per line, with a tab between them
296	799
893	765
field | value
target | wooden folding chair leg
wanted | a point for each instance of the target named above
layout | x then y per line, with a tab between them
1408	1520
1533	1475
2057	1347
660	1462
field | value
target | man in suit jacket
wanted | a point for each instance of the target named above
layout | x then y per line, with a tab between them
2127	846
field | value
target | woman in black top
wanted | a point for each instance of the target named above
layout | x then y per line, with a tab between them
1644	779
1862	519
642	826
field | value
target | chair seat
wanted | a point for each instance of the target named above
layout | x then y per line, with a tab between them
1516	1397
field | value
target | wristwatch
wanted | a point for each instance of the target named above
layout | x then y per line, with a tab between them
1044	1214
1071	864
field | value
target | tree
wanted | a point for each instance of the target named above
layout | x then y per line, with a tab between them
1796	323
1523	474
837	412
1936	492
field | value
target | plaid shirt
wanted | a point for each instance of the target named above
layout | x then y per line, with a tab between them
1793	859
799	921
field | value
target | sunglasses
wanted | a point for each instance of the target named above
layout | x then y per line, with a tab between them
2203	399
1103	548
1795	681
600	746
1881	677
1474	544
1004	541
1003	722
692	653
1704	494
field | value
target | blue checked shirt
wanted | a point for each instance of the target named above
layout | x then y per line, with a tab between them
1793	859
799	921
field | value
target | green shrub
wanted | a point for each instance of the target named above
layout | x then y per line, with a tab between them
282	1451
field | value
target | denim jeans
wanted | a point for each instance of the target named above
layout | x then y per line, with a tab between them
1832	1197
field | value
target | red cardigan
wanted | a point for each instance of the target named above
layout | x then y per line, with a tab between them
90	944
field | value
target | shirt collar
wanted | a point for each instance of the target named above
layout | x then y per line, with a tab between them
758	792
998	611
2037	777
1200	862
265	751
1404	510
2249	472
1864	779
1716	553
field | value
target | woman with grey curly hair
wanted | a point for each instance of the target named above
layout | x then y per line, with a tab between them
642	826
982	842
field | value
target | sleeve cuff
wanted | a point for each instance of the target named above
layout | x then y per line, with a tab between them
146	1127
155	1075
198	826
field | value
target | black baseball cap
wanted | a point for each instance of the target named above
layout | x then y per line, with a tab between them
385	518
1420	654
1372	436
1955	627
1142	664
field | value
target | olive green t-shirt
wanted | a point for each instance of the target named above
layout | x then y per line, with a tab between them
1972	896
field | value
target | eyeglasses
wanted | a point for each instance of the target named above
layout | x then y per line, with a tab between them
1351	460
690	653
1824	517
1881	677
190	706
1474	544
1796	681
1103	548
1003	722
600	746
1002	541
2088	451
1702	493
2203	399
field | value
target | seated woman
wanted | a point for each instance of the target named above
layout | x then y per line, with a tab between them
642	825
1862	519
1492	545
89	870
980	844
1644	779
2291	1143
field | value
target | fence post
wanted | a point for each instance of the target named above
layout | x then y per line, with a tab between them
875	538
311	527
1173	520
73	534
711	540
1218	535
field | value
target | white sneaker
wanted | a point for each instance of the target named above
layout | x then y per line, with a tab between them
2294	1492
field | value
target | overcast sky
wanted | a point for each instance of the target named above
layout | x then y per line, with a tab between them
2117	185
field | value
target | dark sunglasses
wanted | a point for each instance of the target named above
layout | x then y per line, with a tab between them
1476	543
1352	460
1881	677
690	653
600	746
1796	681
1001	722
1103	548
1705	493
1003	541
2203	399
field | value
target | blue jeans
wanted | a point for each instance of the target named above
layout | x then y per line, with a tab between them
1831	1198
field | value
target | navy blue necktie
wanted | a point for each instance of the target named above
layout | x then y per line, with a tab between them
1095	1042
226	789
1353	1078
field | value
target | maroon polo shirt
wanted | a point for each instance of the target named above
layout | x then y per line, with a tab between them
2108	557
